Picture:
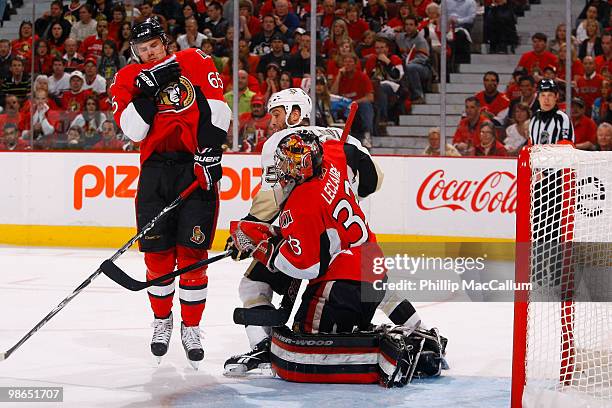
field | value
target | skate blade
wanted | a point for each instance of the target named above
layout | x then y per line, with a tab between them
158	360
263	370
194	364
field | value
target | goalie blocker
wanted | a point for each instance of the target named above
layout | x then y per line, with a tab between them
389	355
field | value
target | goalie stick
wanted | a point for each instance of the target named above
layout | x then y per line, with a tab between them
110	269
79	289
280	316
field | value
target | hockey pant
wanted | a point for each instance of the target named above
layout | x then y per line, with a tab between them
258	284
181	238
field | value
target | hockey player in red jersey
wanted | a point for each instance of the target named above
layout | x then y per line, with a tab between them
290	110
329	243
174	106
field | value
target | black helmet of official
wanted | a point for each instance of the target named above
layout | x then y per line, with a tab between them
548	85
145	31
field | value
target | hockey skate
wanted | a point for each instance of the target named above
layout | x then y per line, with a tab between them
255	362
190	337
162	330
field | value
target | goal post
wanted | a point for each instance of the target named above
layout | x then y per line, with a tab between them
562	338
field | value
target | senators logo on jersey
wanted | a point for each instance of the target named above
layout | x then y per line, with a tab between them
177	96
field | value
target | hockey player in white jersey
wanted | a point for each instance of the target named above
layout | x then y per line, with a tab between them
290	110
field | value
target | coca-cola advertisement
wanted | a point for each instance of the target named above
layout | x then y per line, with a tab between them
446	197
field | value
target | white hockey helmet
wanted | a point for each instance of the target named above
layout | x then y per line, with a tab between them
288	98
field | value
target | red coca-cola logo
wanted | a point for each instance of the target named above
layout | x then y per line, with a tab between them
495	192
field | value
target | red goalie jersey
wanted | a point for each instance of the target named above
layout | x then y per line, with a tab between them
326	235
197	98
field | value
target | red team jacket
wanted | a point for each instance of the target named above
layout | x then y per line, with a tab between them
332	241
196	98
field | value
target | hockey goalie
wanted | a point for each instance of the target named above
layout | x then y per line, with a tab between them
323	238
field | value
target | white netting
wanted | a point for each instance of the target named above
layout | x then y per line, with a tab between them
569	330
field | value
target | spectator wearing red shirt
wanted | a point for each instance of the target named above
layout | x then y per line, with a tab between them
339	33
11	140
577	69
253	24
603	62
22	46
467	135
588	86
92	45
512	90
397	22
254	126
56	40
489	145
329	13
39	122
387	70
492	102
420	6
333	64
585	128
43	61
356	25
109	139
539	57
73	100
11	113
119	17
354	84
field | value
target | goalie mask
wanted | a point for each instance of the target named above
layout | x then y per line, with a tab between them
146	31
298	157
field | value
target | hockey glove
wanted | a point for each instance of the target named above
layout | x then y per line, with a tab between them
207	166
246	236
266	251
151	81
235	253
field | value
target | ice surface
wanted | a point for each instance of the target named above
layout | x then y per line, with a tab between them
97	348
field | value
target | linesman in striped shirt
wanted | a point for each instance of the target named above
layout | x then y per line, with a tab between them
550	125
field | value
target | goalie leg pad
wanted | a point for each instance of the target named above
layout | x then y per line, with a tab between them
325	358
398	358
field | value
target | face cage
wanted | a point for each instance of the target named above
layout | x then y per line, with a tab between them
293	166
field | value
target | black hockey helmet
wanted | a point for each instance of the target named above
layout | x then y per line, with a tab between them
145	31
548	85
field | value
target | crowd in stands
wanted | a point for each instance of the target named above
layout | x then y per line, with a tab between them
384	55
508	114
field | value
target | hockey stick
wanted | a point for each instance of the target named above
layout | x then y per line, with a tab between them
270	317
349	121
119	276
79	289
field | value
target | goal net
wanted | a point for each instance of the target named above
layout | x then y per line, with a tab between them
563	322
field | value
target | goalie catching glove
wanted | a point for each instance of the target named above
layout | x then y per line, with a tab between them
152	81
257	239
207	166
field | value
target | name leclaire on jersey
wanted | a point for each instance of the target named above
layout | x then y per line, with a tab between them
190	112
326	235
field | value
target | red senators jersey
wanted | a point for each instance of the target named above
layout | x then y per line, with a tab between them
589	89
74	103
327	239
191	112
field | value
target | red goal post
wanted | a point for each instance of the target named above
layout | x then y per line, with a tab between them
563	324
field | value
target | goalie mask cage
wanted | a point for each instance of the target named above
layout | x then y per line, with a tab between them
563	323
